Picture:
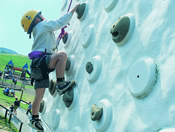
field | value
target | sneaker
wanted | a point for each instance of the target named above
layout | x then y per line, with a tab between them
63	86
36	124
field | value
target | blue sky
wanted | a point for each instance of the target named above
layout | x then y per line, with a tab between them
12	36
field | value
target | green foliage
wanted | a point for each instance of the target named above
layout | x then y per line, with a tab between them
5	126
18	60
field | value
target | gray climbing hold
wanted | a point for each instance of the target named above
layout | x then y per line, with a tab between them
96	112
89	67
65	37
52	87
68	97
80	10
120	29
41	107
68	63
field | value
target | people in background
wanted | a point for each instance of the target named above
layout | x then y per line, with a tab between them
6	91
12	91
11	109
29	109
14	80
16	105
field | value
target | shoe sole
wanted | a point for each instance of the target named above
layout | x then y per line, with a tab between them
60	92
35	128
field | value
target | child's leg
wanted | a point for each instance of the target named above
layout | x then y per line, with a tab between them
58	61
36	103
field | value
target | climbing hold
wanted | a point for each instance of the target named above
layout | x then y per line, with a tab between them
64	5
97	64
103	123
82	11
109	4
96	112
52	88
142	77
69	69
89	67
54	122
68	97
122	29
68	63
87	35
65	37
42	107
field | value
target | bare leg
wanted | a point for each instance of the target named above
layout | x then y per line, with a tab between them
58	61
36	103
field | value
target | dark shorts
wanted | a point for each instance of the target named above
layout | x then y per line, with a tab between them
15	107
44	63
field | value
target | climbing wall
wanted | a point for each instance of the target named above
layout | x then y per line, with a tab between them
121	55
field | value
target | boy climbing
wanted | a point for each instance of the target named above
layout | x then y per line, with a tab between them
44	59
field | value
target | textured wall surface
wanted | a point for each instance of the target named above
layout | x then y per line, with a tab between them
131	78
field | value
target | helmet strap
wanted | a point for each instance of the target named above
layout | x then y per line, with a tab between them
30	36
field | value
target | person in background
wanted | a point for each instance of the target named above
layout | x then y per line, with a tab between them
44	59
11	109
16	105
6	91
12	91
29	109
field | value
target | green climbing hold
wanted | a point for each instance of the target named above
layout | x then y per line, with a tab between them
65	37
89	67
96	112
68	63
120	29
41	107
68	97
80	10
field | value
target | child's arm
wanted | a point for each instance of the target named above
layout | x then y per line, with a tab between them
54	25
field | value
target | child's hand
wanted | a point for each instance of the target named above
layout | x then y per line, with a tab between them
75	8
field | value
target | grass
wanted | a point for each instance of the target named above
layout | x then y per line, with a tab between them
18	60
5	126
7	101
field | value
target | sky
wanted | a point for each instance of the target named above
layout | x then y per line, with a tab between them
12	35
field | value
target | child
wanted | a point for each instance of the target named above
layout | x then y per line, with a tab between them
44	59
29	109
16	105
11	109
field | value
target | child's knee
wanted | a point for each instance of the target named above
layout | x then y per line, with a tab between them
63	55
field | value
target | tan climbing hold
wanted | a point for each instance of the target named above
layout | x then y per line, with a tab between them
122	29
96	112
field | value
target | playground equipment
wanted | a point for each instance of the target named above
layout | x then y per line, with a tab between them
12	71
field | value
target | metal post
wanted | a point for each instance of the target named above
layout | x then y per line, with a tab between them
10	117
21	95
6	113
20	127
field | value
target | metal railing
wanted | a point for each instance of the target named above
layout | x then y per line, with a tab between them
6	111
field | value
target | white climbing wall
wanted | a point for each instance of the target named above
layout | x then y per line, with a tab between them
132	77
